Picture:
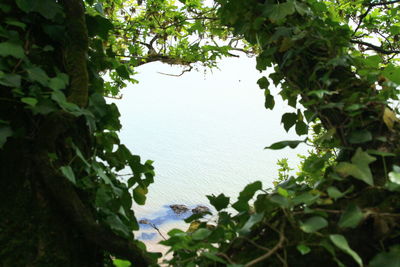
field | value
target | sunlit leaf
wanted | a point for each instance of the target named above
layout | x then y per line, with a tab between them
341	242
313	224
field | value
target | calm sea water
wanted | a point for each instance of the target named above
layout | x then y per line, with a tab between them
206	133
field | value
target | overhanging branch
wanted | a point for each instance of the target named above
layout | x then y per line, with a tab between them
375	48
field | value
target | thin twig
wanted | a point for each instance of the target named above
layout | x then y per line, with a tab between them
223	255
177	75
272	251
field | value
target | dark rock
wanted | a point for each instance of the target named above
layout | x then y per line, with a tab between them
144	221
200	209
179	209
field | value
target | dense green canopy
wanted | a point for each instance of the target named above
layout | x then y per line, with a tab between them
336	64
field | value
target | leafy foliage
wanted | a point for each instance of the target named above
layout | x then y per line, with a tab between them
342	207
343	88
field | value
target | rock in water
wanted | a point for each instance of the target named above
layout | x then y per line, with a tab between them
179	209
200	209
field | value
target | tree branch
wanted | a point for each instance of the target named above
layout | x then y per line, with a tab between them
272	251
375	48
383	3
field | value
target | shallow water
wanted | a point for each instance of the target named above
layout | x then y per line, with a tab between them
205	132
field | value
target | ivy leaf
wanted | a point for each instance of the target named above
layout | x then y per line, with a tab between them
220	202
201	234
387	259
303	249
279	11
123	72
254	219
5	132
263	83
10	80
213	257
29	100
351	217
47	8
38	75
389	118
139	194
341	242
314	224
288	120
11	49
333	192
98	25
117	225
121	263
358	168
283	144
269	101
361	136
68	173
392	72
394	176
247	194
301	128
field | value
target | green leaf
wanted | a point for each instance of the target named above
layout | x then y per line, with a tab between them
263	83
59	82
392	72
11	49
10	80
361	136
213	257
99	25
5	132
117	225
380	153
303	249
121	263
139	194
341	242
176	232
123	72
280	200
283	144
394	177
269	101
314	224
333	192
68	173
38	75
248	192
254	219
358	168
201	234
220	202
351	217
279	11
387	259
47	8
373	61
301	128
29	100
283	192
288	120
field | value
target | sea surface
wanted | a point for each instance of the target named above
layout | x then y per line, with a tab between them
205	132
